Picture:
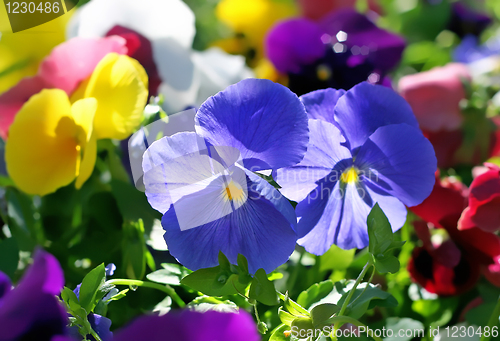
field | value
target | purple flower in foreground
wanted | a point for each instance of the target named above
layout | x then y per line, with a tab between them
365	148
31	311
191	326
342	50
204	183
466	21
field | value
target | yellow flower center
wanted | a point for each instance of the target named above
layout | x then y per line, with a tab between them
233	191
349	176
323	72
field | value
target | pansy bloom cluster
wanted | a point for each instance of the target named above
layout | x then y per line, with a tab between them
235	170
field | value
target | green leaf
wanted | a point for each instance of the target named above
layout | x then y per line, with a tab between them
379	231
22	225
206	303
164	306
134	249
214	282
285	317
292	307
262	289
323	312
164	276
302	325
9	256
278	333
387	263
242	263
336	259
224	262
133	204
69	297
371	297
119	295
90	287
315	293
397	324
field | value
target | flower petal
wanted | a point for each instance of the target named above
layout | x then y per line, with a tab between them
154	19
83	112
179	160
13	99
384	49
294	43
5	284
339	216
402	161
218	70
257	230
34	299
367	107
119	83
323	153
42	149
320	104
75	60
192	326
263	120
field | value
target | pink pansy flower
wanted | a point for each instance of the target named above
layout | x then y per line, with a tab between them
435	95
69	64
484	202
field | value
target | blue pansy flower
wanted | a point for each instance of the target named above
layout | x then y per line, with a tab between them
469	50
365	147
204	181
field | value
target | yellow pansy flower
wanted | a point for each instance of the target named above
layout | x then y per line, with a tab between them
52	140
22	52
250	21
120	85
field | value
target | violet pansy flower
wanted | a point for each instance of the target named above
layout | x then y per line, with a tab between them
342	50
465	20
192	326
365	148
32	311
204	181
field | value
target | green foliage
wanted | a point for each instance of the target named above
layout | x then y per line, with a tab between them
382	244
262	289
135	252
9	256
221	280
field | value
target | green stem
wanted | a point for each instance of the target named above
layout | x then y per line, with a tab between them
94	334
351	293
165	288
295	272
346	319
367	284
493	321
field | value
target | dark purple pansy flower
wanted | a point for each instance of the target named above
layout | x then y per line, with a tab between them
192	326
466	21
365	148
342	50
204	183
32	311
